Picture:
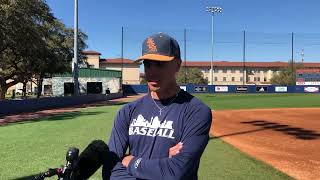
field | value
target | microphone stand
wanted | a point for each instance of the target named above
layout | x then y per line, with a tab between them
65	172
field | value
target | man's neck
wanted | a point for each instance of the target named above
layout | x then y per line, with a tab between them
167	93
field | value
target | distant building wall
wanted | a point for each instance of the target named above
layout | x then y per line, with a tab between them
131	72
235	75
93	60
30	88
57	84
108	79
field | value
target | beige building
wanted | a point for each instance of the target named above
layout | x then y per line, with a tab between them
224	72
130	70
30	88
235	73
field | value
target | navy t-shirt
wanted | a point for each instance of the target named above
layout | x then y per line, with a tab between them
149	135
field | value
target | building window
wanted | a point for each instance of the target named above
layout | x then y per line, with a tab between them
232	79
224	78
224	70
233	70
215	78
241	70
241	79
206	70
265	79
215	70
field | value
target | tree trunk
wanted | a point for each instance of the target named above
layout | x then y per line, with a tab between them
3	90
24	89
39	86
4	87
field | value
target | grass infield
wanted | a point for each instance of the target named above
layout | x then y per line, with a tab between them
31	147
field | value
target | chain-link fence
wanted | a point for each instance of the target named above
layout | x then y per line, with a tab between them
196	45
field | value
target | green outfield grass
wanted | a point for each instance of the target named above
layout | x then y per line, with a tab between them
33	146
259	101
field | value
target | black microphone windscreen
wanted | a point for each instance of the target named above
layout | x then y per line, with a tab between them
90	160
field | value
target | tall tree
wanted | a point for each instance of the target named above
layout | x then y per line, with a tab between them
194	76
286	76
20	22
33	43
58	52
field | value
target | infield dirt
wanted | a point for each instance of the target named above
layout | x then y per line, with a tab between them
287	139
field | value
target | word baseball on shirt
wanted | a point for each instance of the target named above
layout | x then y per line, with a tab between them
140	126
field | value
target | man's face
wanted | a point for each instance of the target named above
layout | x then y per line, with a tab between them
161	75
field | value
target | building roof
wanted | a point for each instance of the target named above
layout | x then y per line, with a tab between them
89	52
313	65
117	61
92	72
240	64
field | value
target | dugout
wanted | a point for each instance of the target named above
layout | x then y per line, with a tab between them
91	81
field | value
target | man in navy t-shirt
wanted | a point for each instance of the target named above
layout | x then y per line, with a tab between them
167	130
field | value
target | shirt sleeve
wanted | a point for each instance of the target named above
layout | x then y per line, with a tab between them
195	137
118	144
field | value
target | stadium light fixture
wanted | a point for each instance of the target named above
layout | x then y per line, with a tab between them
212	10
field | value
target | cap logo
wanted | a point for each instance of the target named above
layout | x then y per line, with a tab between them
151	45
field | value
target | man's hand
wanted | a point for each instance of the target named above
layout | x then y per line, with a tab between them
126	160
175	149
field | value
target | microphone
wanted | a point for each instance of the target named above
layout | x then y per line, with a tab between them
90	160
66	171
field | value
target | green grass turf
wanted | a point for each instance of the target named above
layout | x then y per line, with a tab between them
259	101
222	161
33	146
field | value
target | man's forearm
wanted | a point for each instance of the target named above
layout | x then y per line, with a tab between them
179	166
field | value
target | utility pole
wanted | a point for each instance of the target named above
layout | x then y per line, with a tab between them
185	56
292	74
75	71
244	78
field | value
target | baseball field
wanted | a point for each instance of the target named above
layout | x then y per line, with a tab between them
254	136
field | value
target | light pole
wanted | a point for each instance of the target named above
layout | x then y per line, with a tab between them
212	10
75	51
